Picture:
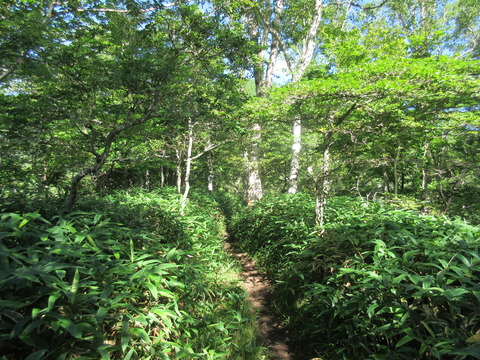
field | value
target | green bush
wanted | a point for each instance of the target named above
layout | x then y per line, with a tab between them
121	278
380	283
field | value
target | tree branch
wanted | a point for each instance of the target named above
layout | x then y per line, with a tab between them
210	147
351	3
120	11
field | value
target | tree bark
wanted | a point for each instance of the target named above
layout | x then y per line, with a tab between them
101	158
395	171
324	188
424	170
188	165
296	149
309	42
308	47
210	173
254	191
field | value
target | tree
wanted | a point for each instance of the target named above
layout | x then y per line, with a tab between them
112	69
350	106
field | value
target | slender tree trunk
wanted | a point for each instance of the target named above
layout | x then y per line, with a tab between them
424	170
254	191
179	171
210	173
324	187
322	191
395	171
296	148
308	48
147	179
179	178
309	42
275	43
386	181
187	168
162	176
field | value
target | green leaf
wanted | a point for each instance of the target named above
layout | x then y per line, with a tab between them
51	301
404	340
166	293
74	287
12	304
452	294
37	355
101	313
70	326
152	288
141	333
474	339
464	260
128	356
125	339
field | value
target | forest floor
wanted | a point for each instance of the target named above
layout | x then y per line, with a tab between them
258	287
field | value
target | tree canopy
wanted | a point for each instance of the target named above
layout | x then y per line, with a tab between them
114	92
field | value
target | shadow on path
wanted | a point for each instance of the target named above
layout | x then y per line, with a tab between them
259	289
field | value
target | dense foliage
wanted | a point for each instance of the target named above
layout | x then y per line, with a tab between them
376	282
121	278
365	112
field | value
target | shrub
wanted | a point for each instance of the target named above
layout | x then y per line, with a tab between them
121	278
381	283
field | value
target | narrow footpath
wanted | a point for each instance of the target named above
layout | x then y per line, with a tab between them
259	289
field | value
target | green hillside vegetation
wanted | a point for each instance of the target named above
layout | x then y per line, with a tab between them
336	143
122	277
376	282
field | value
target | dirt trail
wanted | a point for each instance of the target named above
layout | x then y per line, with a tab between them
259	289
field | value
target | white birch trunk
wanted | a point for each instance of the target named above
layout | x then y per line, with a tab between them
162	176
309	42
275	44
179	171
254	191
308	49
187	168
395	171
296	148
210	173
424	169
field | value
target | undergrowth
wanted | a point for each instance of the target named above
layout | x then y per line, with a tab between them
377	282
123	277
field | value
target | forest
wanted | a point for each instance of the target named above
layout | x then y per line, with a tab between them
335	142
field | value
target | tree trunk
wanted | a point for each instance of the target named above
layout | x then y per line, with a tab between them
309	42
308	47
100	158
324	188
210	173
275	43
322	191
162	176
424	170
386	181
296	148
254	191
260	34
99	161
395	171
147	179
187	168
179	171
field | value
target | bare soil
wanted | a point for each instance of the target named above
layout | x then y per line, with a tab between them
258	286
